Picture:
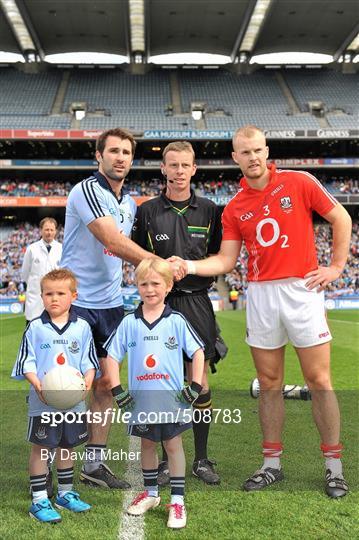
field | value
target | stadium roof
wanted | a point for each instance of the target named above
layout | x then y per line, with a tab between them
139	29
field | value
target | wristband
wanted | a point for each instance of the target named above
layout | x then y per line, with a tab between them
191	268
196	387
117	390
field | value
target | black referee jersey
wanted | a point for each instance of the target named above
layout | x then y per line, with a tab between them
191	231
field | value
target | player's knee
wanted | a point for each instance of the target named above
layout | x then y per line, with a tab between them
270	381
319	381
172	445
101	385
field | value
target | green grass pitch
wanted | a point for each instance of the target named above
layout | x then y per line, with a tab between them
294	509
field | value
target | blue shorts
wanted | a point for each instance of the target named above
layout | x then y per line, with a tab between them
103	322
64	435
158	432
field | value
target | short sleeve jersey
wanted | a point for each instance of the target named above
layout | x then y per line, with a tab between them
276	224
192	232
99	272
155	361
45	346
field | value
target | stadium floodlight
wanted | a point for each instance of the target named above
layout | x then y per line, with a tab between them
18	25
255	24
137	25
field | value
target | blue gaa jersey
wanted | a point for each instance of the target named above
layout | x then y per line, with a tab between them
99	272
155	363
45	346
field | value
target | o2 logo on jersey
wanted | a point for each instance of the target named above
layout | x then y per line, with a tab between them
151	362
273	233
60	359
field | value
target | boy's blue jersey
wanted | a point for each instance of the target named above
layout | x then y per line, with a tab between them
45	346
99	272
155	361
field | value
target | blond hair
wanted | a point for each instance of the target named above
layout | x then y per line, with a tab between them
178	146
246	131
61	274
157	265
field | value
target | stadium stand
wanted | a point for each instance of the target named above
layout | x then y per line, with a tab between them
118	91
24	93
145	102
243	99
324	85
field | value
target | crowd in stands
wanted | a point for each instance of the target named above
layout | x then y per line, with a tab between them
152	188
15	240
29	188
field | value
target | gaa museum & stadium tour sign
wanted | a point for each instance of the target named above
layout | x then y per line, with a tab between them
45	134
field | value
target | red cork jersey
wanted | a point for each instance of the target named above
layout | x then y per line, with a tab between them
276	223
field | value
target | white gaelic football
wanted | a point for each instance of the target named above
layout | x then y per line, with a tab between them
63	387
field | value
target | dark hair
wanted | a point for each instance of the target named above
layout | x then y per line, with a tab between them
122	134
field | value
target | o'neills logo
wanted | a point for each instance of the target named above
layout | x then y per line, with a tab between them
153	376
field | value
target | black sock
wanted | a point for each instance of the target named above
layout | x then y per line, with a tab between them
202	412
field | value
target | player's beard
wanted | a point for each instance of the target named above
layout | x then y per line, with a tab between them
116	177
260	171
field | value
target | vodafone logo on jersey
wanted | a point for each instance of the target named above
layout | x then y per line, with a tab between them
151	362
60	359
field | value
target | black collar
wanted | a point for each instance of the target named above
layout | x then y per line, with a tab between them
165	313
169	204
45	318
102	180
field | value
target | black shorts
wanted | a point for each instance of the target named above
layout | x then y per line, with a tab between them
66	434
198	310
103	322
158	432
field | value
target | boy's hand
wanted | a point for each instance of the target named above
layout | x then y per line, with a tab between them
189	393
38	389
123	398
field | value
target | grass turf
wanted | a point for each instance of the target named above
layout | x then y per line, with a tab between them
295	508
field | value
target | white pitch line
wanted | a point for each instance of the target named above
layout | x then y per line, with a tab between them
5	318
132	527
344	322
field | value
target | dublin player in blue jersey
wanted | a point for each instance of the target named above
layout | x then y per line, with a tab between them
99	218
57	337
154	337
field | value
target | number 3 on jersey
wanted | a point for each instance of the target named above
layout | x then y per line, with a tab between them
275	235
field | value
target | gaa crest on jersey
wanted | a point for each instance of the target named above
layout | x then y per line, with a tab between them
171	343
60	359
74	347
286	204
151	362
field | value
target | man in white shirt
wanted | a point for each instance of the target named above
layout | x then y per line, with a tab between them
40	257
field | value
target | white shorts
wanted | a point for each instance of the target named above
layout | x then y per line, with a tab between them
285	310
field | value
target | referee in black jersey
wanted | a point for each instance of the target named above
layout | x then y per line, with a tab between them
180	223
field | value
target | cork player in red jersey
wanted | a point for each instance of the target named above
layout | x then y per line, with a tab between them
272	215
